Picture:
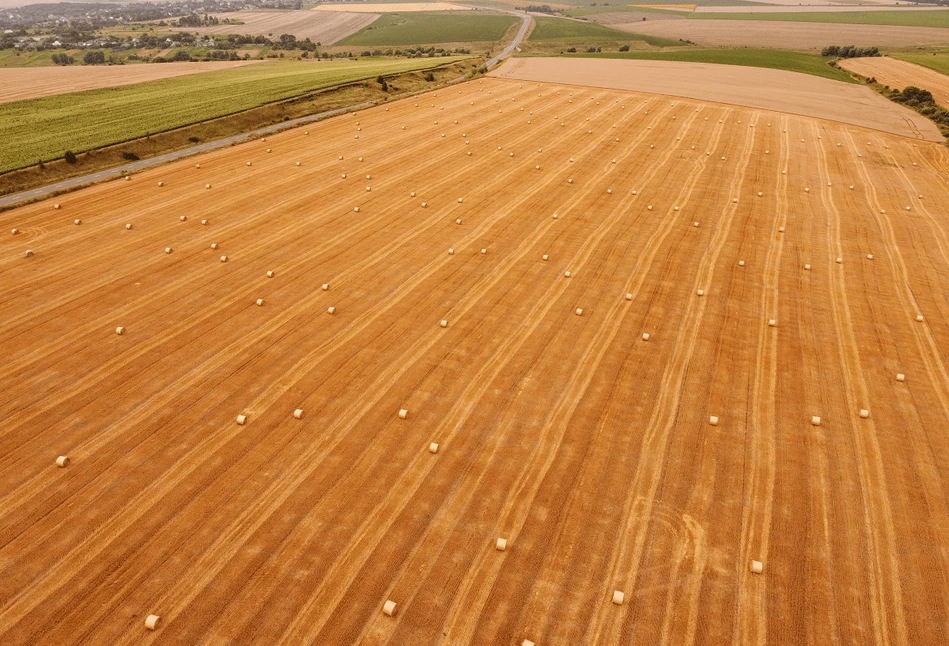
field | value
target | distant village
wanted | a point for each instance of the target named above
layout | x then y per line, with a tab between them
78	26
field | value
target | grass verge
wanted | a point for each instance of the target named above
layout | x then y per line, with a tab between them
180	138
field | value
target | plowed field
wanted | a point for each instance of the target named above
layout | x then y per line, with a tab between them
589	449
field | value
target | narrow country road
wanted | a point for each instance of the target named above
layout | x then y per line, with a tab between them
525	23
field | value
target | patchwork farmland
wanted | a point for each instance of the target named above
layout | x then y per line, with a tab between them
658	342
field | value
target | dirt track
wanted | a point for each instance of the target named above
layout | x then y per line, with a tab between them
898	74
587	448
319	27
753	87
18	83
785	35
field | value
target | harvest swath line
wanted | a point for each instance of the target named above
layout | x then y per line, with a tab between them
541	607
397	243
137	505
935	367
227	206
628	558
586	447
578	263
878	517
308	462
762	440
459	414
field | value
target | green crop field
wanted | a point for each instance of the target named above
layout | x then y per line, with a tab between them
560	30
592	7
428	28
769	58
938	62
939	18
45	128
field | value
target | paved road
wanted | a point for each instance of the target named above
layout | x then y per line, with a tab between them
525	23
119	171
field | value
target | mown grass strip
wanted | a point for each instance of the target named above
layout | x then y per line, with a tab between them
429	28
45	128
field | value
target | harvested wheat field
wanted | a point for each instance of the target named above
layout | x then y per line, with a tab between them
899	74
785	35
753	87
319	27
386	7
17	83
495	304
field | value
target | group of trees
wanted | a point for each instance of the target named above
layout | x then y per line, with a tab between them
93	58
534	8
194	20
849	51
922	101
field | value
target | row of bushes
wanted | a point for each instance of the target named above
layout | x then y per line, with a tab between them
849	51
90	58
922	101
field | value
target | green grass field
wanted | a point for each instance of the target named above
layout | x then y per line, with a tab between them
14	58
428	28
45	128
581	9
938	62
894	18
560	30
769	58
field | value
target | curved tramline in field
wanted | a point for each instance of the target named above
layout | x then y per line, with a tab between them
561	389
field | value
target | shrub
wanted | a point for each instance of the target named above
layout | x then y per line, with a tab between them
93	58
130	156
850	51
70	157
193	139
624	48
430	77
